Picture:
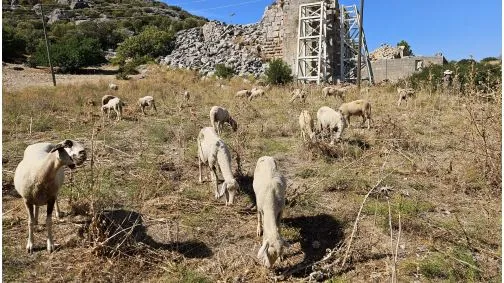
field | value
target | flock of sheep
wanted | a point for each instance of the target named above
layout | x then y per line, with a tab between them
39	175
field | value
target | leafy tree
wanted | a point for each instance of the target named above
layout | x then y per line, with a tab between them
152	42
407	47
13	45
72	53
278	72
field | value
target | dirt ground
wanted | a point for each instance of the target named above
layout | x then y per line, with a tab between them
137	213
17	77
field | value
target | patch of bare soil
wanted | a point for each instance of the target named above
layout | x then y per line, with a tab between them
17	77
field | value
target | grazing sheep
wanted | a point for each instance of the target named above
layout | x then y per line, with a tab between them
116	104
105	99
256	92
333	91
219	116
331	122
306	125
404	94
243	93
39	176
147	101
113	86
359	107
214	152
187	95
269	188
298	94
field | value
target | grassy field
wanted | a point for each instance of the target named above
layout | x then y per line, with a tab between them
433	169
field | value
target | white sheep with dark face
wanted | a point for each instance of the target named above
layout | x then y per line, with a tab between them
39	176
269	188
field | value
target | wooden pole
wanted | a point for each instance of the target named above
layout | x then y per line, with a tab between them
47	45
359	67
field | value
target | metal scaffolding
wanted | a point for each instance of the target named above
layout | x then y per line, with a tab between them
311	62
349	45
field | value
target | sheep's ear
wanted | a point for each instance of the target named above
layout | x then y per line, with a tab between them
63	144
222	189
263	251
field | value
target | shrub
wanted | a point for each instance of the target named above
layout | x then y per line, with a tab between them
151	42
72	53
224	72
278	72
13	45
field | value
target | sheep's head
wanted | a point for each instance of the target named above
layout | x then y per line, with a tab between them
271	251
71	153
233	124
231	187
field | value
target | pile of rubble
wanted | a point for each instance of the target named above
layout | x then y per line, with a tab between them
201	48
386	51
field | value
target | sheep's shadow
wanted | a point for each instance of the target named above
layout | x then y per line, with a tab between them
245	182
362	144
125	229
317	233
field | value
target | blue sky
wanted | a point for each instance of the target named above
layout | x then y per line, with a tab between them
457	28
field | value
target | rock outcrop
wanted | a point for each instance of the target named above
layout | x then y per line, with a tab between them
201	48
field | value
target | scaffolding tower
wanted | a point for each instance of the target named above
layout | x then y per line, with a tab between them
349	45
311	61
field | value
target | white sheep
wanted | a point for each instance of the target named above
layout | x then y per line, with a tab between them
113	86
105	99
361	107
219	116
404	94
298	94
39	176
333	91
213	152
187	95
256	92
146	101
113	104
331	122
243	93
306	125
269	188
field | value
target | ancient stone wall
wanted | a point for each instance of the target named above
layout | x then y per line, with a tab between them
395	69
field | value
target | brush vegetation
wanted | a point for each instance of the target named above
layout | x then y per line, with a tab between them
440	157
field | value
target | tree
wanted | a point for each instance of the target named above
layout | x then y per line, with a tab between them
278	72
151	42
71	53
407	48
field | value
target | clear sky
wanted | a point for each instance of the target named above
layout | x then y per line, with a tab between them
457	28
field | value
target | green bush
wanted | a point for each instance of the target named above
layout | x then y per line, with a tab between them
72	53
151	42
13	45
224	72
278	72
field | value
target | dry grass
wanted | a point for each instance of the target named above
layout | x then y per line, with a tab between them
154	222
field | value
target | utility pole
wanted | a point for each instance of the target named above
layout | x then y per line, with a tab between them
47	45
359	65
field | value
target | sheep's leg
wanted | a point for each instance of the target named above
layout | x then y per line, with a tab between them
30	208
200	176
154	106
213	175
35	218
143	110
59	214
50	207
259	223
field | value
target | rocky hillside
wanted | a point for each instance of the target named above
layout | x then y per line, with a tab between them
93	10
236	46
